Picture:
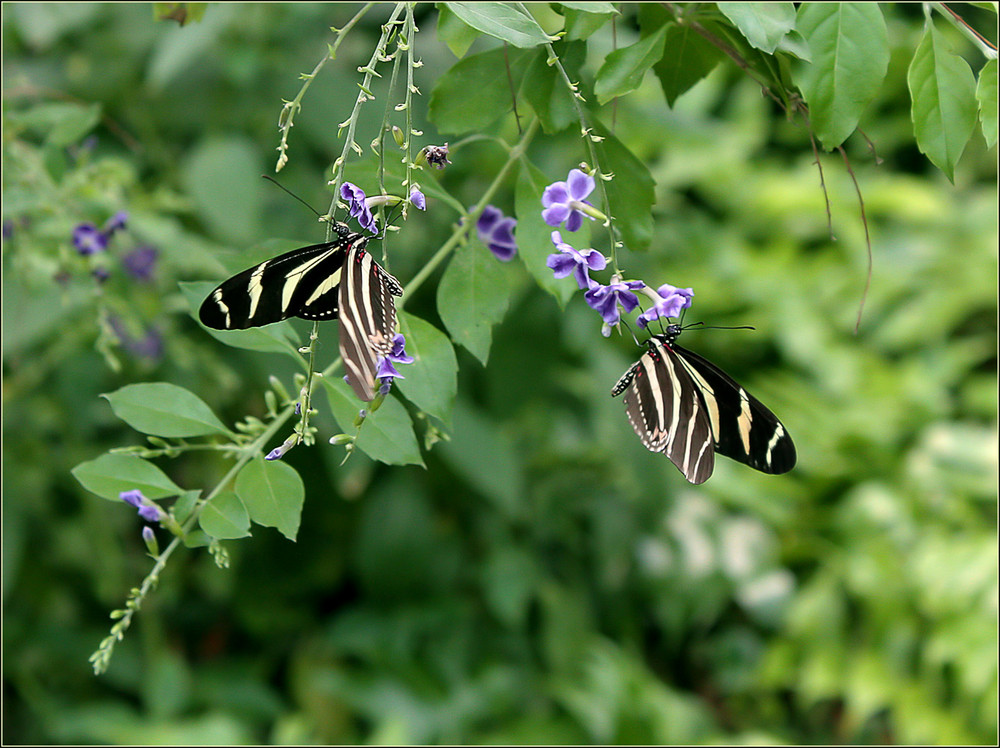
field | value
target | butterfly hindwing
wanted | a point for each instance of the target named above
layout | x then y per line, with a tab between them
367	319
686	407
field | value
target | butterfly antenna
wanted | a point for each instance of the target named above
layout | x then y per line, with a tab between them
281	186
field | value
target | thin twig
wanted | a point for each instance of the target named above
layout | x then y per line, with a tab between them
868	240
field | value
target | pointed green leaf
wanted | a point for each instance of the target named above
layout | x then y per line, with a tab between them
476	91
623	69
630	192
943	90
273	494
764	25
581	24
110	474
164	409
454	32
431	381
386	435
225	517
687	59
502	21
986	93
545	90
850	56
473	295
534	236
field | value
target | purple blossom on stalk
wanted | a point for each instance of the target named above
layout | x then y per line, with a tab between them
279	451
148	346
671	301
418	199
147	509
495	230
139	263
564	201
88	239
357	206
577	262
386	371
607	299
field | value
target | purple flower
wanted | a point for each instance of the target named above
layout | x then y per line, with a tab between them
386	371
139	263
8	229
88	239
607	299
116	222
564	201
147	509
569	260
437	155
357	206
278	452
418	199
148	346
672	301
495	231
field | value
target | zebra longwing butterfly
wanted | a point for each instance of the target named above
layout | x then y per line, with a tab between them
689	409
310	283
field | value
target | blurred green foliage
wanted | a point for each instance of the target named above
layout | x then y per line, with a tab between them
543	579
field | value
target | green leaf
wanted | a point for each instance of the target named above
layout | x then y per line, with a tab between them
223	178
943	90
534	236
476	91
631	191
502	21
473	295
277	338
624	68
582	22
431	380
110	474
164	409
386	435
225	517
61	124
850	56
986	94
687	59
458	35
764	25
545	90
272	493
509	580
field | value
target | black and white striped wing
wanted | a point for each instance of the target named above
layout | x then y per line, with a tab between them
686	407
367	319
301	283
744	428
667	411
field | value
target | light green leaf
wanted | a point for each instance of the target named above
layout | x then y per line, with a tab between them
431	381
986	93
222	176
581	24
763	24
595	8
850	56
276	338
502	21
164	409
110	474
225	517
474	93
687	59
534	236
273	494
458	35
386	435
943	90
624	68
545	90
473	295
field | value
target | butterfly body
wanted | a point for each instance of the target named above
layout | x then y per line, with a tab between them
686	407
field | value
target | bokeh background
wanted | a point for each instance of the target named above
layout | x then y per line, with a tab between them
544	579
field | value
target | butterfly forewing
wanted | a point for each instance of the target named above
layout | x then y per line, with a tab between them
301	283
682	405
367	319
745	429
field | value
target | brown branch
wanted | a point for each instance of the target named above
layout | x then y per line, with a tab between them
868	240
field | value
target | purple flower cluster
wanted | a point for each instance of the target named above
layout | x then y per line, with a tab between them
495	230
148	510
357	206
565	202
386	371
89	240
